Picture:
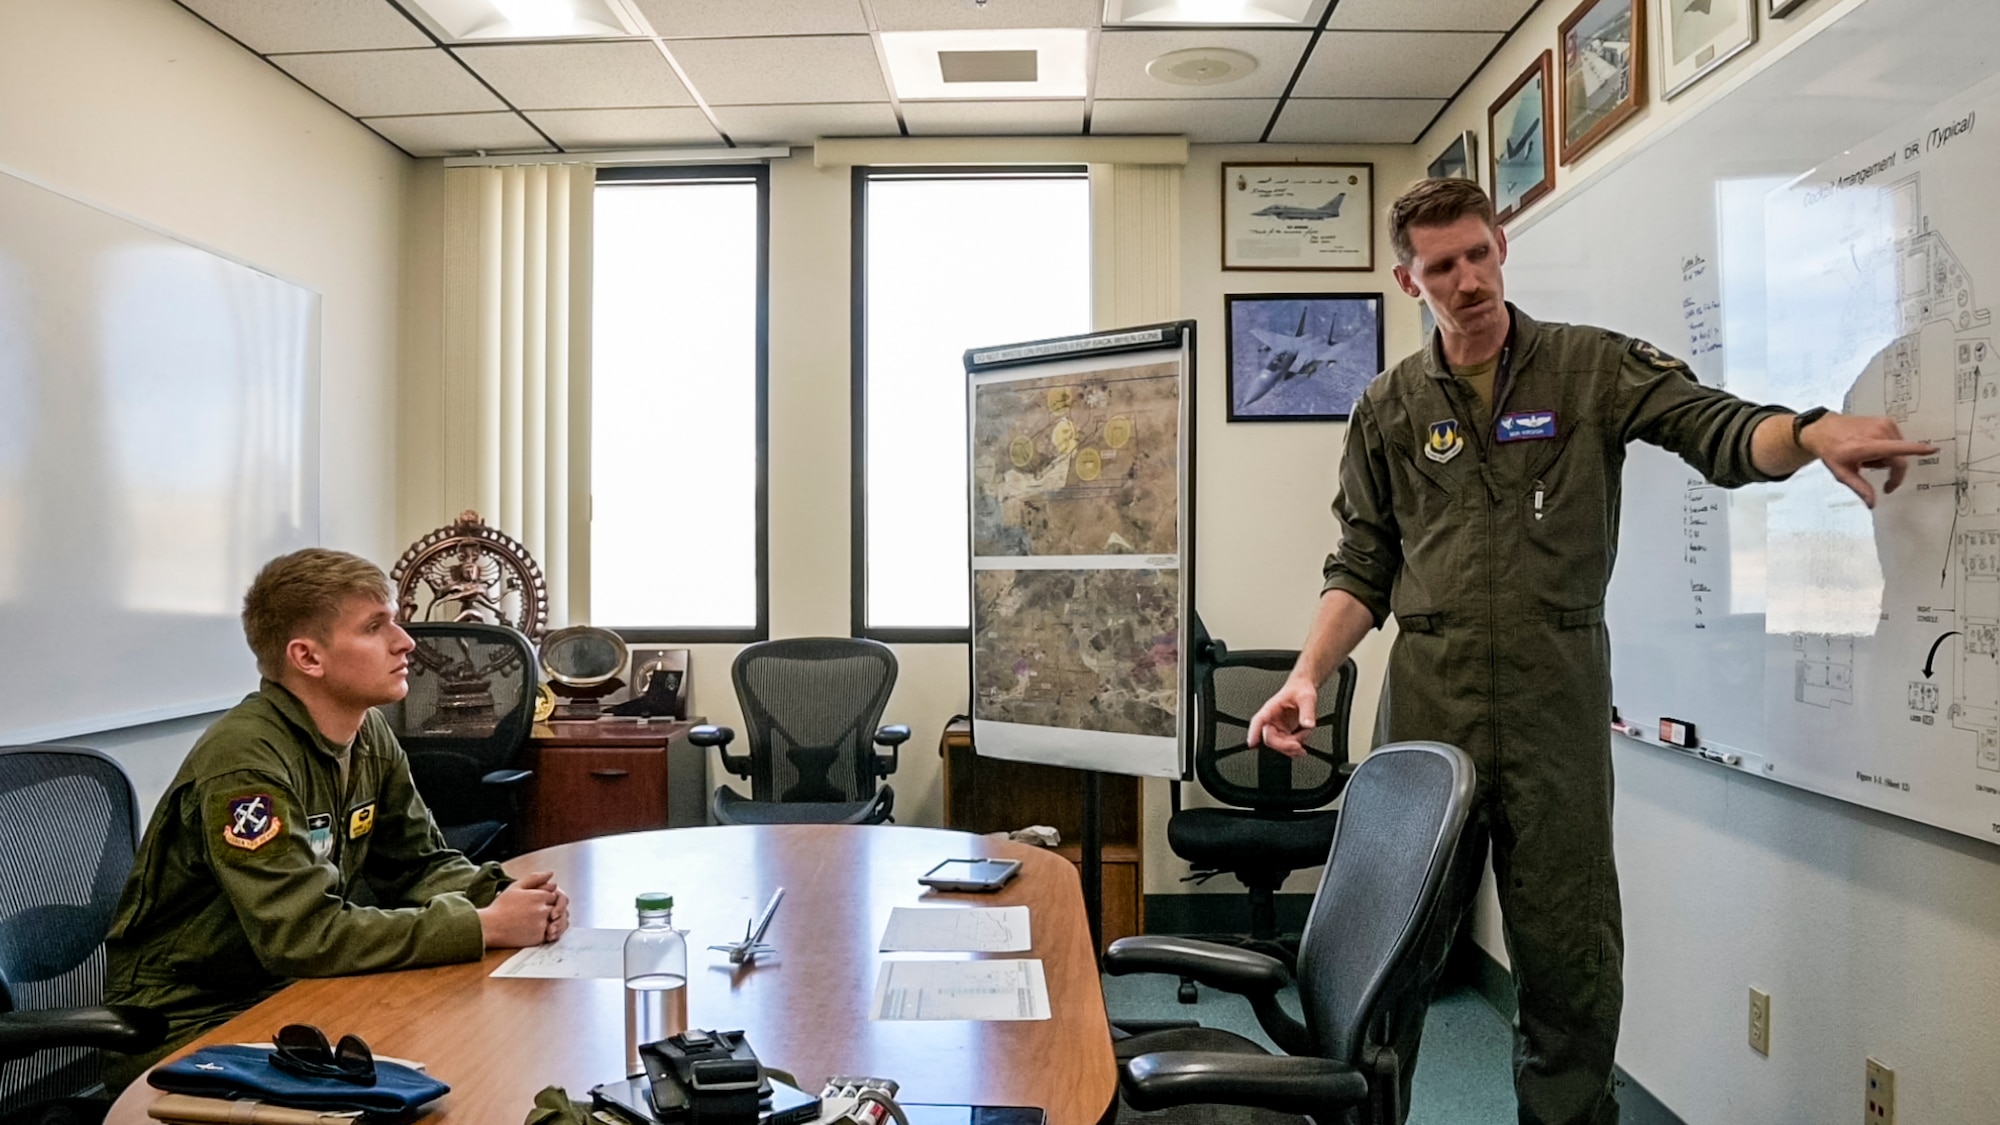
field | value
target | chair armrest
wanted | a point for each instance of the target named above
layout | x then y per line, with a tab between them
116	1027
1242	971
720	737
507	777
892	736
1285	1083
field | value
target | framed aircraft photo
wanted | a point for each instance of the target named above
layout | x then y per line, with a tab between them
1603	71
1697	36
1458	161
1298	216
1522	163
1301	357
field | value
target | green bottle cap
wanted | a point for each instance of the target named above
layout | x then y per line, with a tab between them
656	900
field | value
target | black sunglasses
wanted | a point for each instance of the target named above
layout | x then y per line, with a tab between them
302	1050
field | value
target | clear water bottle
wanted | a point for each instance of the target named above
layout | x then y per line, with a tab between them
656	965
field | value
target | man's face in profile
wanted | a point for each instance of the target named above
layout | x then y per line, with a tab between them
1456	270
364	656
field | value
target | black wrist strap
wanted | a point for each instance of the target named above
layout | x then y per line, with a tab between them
1801	421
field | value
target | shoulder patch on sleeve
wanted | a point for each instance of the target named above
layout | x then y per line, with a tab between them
252	822
1655	358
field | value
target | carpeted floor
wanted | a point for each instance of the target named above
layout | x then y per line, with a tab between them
1464	1076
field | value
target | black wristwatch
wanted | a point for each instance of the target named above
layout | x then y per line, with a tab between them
1801	421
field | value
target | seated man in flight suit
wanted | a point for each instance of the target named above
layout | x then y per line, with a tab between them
292	843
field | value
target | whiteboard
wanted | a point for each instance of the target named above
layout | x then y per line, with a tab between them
158	443
1822	234
1082	576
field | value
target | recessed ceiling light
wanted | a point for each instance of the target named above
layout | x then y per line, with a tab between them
1010	63
1228	13
485	21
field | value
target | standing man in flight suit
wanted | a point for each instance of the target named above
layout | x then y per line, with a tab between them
292	843
1478	503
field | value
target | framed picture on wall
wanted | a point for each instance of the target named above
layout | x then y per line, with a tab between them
1298	216
1783	8
1523	166
1458	161
1301	357
1697	36
1603	71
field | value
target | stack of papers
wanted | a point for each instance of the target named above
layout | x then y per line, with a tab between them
1014	989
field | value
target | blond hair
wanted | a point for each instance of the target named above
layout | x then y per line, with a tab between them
300	595
1434	203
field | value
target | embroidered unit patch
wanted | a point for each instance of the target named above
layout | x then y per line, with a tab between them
319	832
1655	358
1527	425
251	822
1444	441
361	821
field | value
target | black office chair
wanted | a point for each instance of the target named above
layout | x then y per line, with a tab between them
68	828
465	726
812	705
1372	947
1277	822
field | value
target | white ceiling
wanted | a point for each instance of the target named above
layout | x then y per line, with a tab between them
753	72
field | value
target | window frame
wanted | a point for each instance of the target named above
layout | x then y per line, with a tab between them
758	174
862	176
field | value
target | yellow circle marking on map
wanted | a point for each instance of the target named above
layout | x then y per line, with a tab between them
1088	465
1118	431
1063	437
1022	451
1060	399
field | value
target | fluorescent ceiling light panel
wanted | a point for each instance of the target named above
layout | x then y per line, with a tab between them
488	21
970	65
1226	13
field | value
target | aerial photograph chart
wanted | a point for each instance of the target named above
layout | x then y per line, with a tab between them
1078	649
1078	464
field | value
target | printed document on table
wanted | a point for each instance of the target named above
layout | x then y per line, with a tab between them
1013	989
957	929
577	954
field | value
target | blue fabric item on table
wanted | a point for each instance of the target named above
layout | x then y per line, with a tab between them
246	1072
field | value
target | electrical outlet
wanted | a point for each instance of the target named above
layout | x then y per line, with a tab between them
1881	1094
1760	1021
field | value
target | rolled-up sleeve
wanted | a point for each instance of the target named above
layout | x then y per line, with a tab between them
1370	552
1661	404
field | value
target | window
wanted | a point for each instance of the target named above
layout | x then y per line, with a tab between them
677	403
944	260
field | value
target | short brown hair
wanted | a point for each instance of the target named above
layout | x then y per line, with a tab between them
1434	203
300	594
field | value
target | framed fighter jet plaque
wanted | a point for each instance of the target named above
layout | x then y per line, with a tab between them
1298	216
1517	142
1301	357
1698	36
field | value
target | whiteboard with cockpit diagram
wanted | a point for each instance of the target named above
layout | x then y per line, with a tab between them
1081	456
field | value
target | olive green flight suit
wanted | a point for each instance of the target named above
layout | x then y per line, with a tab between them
259	866
1494	557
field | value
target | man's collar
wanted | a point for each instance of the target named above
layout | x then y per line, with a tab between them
294	710
1522	336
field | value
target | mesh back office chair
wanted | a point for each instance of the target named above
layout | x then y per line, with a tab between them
1372	946
1277	822
68	828
811	705
465	726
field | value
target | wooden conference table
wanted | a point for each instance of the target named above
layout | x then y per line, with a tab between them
497	1042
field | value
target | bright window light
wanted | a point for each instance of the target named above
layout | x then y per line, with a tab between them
675	387
952	261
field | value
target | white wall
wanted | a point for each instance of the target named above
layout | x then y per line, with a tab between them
137	106
1873	935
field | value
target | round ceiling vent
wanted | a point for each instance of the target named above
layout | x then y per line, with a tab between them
1201	66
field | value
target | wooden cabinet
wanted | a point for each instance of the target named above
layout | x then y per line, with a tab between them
994	795
609	776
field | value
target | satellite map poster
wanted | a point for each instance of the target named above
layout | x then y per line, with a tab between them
1081	455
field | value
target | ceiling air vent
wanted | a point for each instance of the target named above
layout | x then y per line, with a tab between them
988	66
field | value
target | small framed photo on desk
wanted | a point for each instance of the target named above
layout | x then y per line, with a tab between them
673	689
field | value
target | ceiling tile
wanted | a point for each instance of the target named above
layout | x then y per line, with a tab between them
952	119
1393	64
576	129
579	75
802	124
821	68
459	134
378	83
1122	57
1207	121
311	25
1429	15
1354	121
938	15
709	19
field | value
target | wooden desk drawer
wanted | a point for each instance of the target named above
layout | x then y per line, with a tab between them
586	791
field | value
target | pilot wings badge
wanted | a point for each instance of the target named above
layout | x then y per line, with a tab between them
1444	442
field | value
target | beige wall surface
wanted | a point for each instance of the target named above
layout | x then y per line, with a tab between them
138	107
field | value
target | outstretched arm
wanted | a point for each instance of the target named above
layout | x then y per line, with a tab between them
1284	721
1848	443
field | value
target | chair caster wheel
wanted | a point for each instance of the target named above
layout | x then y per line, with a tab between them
1187	993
